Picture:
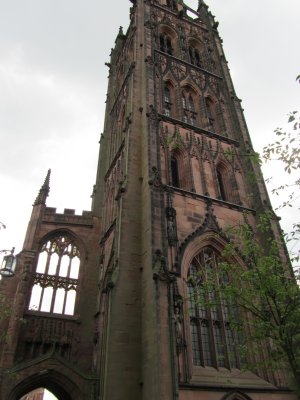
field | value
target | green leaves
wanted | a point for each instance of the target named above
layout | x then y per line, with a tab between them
287	149
258	283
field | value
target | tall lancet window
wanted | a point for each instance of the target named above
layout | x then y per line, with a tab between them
165	43
167	101
213	341
194	56
55	281
189	113
174	172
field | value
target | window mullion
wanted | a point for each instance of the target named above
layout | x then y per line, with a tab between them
41	298
48	261
65	301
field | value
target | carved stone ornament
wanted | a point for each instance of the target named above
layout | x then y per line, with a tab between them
213	84
162	62
160	270
198	77
178	320
155	179
171	226
179	70
152	114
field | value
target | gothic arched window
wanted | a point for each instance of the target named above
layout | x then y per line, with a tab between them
213	341
174	172
55	280
210	106
189	114
165	43
194	56
221	178
167	100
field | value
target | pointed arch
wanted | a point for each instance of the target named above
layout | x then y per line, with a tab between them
167	40
195	52
213	340
210	109
189	104
61	386
55	280
174	166
222	180
227	188
179	173
236	395
168	99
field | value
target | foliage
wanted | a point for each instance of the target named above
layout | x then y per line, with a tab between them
255	275
258	284
287	150
266	291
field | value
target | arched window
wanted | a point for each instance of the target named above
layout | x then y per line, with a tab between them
167	100
211	113
209	104
194	56
165	43
56	277
191	104
213	341
222	182
189	114
174	172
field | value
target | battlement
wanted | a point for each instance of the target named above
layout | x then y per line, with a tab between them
68	217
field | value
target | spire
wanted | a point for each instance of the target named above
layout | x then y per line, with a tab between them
44	191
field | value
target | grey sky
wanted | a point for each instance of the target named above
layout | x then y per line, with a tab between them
53	87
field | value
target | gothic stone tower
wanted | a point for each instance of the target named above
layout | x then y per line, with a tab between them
100	301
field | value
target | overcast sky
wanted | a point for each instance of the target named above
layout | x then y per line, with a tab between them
53	86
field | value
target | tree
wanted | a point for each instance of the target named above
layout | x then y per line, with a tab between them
255	275
287	150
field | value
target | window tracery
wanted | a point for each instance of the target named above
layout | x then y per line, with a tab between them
194	55
55	281
213	341
221	178
167	100
165	43
189	114
210	111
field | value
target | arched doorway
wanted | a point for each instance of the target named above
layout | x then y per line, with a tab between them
39	394
56	387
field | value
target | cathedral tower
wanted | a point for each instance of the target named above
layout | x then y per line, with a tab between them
101	306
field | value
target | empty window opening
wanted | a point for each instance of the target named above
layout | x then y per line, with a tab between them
165	43
213	340
194	56
167	101
221	183
189	114
174	172
56	278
